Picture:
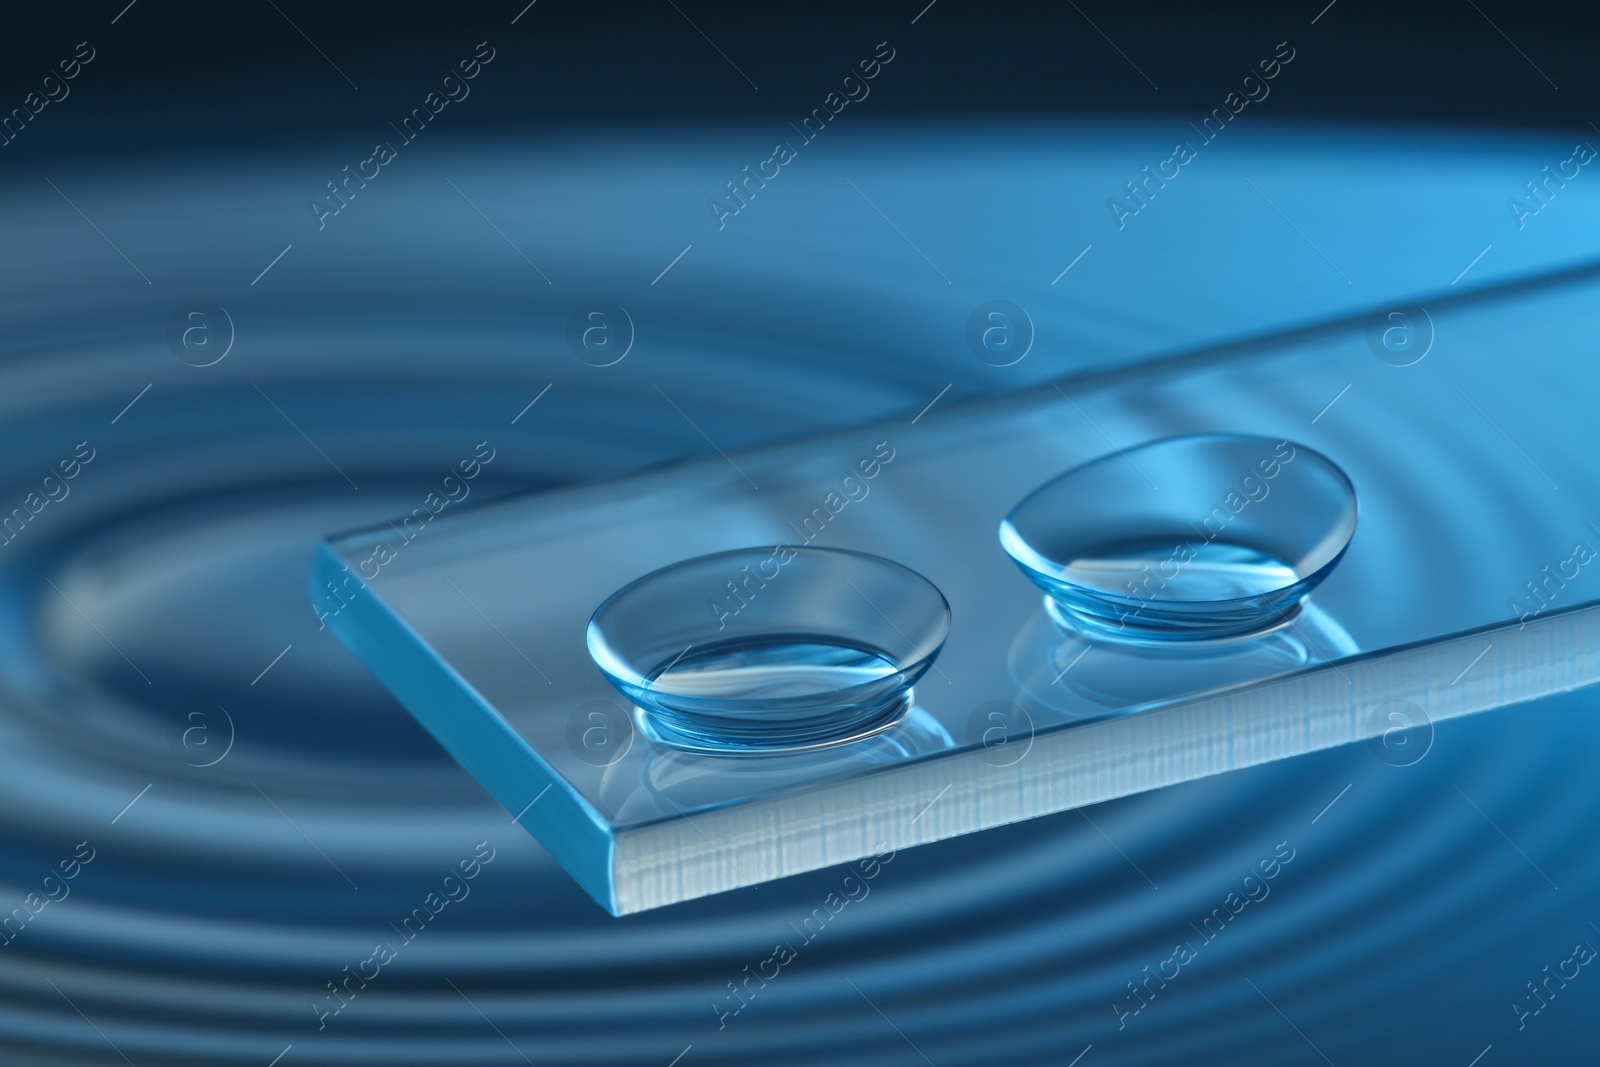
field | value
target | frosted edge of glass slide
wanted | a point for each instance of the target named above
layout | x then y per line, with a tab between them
1074	766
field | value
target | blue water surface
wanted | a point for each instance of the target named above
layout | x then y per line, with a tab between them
261	816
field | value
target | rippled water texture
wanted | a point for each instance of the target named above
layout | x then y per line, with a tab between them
261	815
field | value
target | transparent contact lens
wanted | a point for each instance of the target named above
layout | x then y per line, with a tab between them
1197	538
769	650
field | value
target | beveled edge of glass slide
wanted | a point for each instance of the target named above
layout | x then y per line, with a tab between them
1075	765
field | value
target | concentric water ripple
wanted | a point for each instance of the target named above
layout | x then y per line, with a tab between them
152	600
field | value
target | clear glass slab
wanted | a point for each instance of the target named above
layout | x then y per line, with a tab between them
1466	588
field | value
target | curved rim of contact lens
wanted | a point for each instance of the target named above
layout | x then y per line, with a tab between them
1332	550
615	666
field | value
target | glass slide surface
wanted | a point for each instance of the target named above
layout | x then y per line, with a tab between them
1466	586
